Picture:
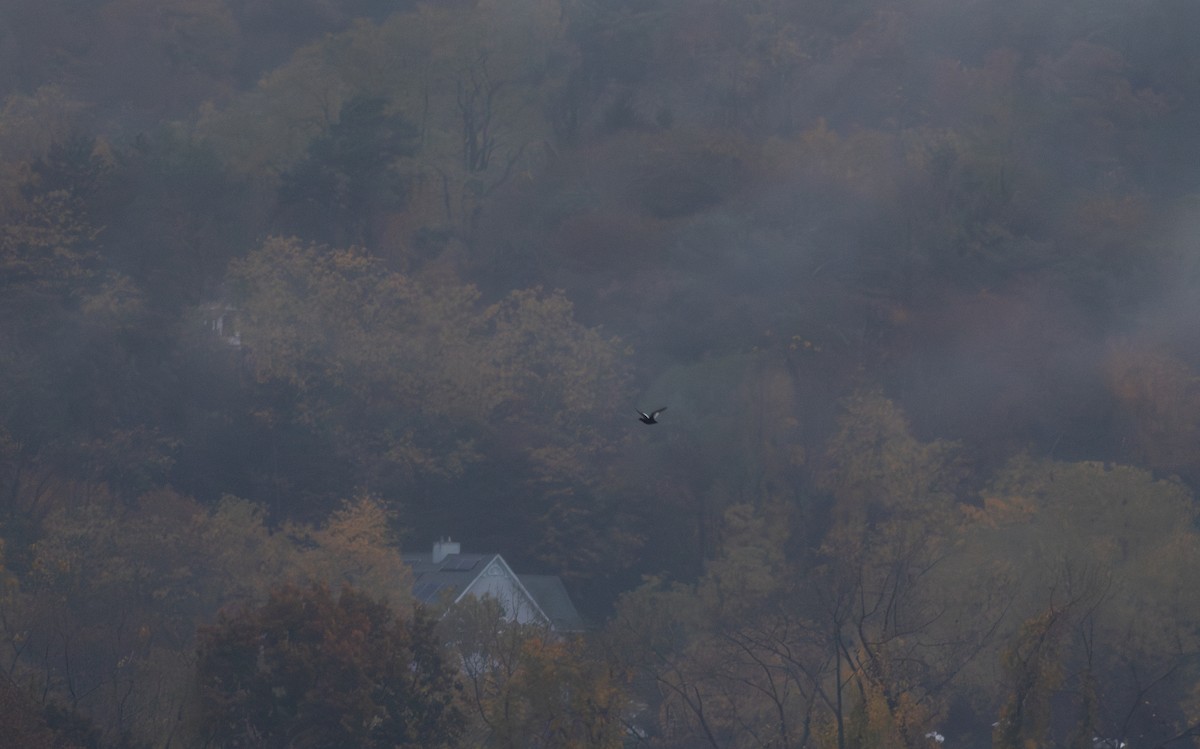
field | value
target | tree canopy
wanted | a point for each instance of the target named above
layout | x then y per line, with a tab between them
288	288
309	668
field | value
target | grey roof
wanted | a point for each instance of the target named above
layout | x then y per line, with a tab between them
550	594
433	581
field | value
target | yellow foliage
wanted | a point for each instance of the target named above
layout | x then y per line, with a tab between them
329	321
43	239
999	511
1160	400
356	546
752	564
875	465
30	124
530	688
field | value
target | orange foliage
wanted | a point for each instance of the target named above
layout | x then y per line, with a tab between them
1159	399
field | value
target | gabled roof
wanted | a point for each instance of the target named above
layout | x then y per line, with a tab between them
456	575
551	595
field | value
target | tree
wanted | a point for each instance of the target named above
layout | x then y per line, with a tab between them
1033	671
355	546
175	215
103	614
525	686
355	343
483	78
1100	635
47	240
163	57
23	721
312	669
735	659
876	469
348	177
902	625
858	641
31	124
419	385
1158	398
472	80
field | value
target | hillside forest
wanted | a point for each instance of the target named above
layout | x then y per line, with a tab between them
290	287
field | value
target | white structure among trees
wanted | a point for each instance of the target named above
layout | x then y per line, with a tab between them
446	575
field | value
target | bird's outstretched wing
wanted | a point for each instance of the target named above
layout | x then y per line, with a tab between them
652	417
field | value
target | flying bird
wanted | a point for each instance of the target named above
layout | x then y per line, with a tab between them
649	418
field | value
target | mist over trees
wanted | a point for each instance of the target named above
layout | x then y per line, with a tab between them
286	287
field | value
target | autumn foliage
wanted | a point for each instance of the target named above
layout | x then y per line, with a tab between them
287	286
312	668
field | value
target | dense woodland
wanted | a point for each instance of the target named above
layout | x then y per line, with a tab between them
287	286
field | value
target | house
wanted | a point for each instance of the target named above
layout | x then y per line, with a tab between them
447	572
221	319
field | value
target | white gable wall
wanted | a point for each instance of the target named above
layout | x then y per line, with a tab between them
499	582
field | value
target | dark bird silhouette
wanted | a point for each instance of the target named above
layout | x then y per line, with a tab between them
649	418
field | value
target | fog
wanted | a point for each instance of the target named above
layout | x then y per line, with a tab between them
291	289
